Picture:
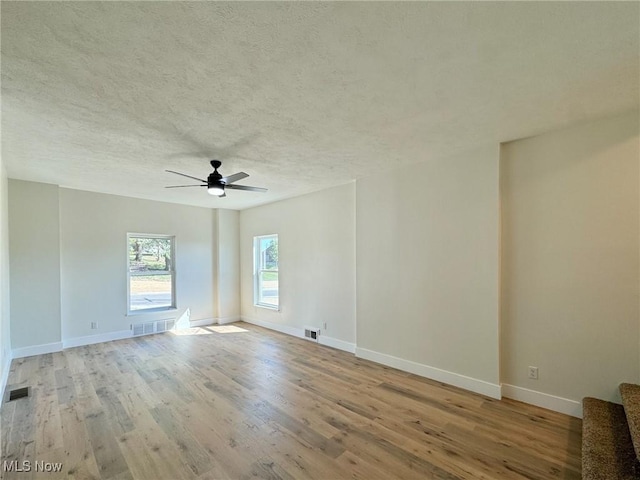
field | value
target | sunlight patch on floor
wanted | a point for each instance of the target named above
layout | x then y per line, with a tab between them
192	331
208	330
227	329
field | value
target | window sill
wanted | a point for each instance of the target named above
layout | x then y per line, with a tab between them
267	307
135	313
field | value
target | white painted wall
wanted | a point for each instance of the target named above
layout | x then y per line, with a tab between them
570	260
422	271
427	269
227	265
93	233
316	238
34	250
5	329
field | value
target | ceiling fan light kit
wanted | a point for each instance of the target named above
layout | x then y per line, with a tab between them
217	190
216	183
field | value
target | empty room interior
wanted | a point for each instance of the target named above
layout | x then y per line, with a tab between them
449	189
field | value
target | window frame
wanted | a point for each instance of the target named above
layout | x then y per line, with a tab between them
257	271
171	271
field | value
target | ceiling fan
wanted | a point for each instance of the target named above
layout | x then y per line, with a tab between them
216	183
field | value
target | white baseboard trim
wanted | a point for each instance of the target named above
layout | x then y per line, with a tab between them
91	339
544	400
225	320
213	321
336	343
202	322
299	332
36	350
444	376
294	331
5	375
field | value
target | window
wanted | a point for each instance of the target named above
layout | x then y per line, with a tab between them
265	259
151	272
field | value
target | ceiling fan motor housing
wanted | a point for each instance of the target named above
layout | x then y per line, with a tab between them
215	185
215	179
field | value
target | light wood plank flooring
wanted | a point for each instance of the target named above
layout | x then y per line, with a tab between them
245	402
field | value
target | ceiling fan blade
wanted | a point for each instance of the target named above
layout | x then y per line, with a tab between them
245	187
182	186
235	177
188	176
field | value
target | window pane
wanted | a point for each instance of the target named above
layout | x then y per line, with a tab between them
150	291
266	291
268	288
149	254
268	253
151	271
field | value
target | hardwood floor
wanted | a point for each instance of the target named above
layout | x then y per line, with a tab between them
245	402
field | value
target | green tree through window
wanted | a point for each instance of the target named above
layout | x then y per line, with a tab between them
151	272
266	284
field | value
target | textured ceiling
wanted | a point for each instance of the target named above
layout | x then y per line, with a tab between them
302	96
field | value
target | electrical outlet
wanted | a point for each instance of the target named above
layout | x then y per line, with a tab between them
533	373
94	325
325	325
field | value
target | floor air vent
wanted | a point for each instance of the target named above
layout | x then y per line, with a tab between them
153	327
18	393
311	333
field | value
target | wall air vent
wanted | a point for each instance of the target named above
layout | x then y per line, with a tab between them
165	325
18	393
311	333
148	328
